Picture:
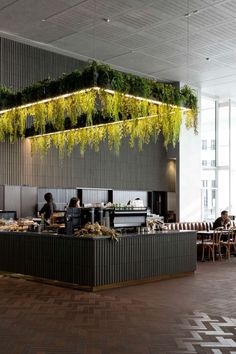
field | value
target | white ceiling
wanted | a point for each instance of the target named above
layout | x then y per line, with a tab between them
152	38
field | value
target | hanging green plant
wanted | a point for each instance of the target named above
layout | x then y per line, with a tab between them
72	110
86	103
39	113
41	145
59	141
115	134
58	113
95	106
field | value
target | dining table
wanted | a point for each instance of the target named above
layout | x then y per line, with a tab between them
203	235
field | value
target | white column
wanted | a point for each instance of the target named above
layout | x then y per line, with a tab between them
189	175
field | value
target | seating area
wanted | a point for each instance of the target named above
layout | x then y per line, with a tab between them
211	244
198	226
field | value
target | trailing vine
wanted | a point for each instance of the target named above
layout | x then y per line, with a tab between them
93	107
50	116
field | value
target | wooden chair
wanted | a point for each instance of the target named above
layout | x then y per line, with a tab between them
213	244
230	243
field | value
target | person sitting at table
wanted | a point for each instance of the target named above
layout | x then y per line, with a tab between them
223	221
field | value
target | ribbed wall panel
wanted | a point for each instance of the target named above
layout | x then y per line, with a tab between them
23	65
131	170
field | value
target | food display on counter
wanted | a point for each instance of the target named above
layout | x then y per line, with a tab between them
22	224
96	230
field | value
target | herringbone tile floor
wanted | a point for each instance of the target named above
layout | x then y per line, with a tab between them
188	315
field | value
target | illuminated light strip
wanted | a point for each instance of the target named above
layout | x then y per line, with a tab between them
90	126
49	99
95	88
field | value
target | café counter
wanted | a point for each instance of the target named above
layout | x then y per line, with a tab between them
96	263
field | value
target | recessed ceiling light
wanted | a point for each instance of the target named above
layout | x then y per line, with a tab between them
43	20
188	14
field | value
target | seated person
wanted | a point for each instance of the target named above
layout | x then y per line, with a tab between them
223	221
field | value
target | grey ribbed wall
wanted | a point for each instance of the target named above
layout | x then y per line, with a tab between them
131	170
21	64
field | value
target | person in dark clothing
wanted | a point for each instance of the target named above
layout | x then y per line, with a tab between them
74	203
222	221
48	207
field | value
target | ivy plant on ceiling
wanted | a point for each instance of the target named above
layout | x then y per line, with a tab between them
90	115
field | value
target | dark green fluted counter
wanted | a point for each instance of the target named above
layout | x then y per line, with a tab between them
96	263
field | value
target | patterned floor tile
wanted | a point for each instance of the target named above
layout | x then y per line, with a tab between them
189	315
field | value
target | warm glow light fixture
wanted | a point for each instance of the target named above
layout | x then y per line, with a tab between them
95	88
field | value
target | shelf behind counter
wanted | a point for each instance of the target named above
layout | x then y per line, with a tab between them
97	263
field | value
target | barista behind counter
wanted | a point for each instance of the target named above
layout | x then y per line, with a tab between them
48	208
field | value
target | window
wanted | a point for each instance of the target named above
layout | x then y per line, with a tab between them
208	157
213	194
206	199
213	163
213	184
204	144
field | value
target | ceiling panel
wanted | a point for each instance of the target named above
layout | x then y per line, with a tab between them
181	75
148	37
214	50
168	31
163	51
72	2
175	8
228	59
111	8
85	45
224	32
5	3
194	41
110	31
74	18
228	6
44	32
186	59
135	41
141	18
209	70
31	10
139	62
208	17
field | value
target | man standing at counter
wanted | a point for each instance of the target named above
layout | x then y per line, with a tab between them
48	208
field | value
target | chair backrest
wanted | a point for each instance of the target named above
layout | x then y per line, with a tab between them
216	237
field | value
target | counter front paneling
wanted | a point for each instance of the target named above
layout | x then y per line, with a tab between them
98	262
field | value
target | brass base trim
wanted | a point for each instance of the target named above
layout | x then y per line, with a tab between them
100	287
